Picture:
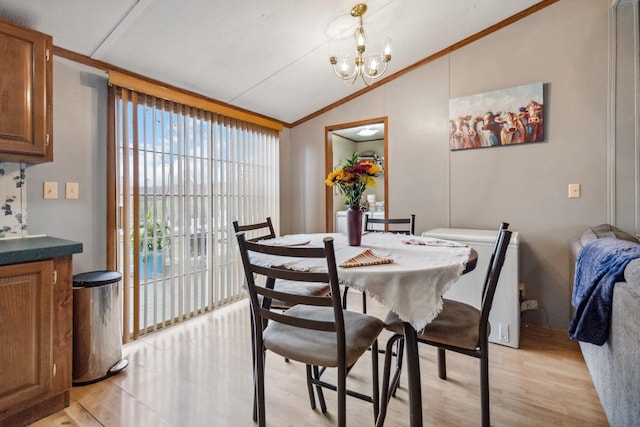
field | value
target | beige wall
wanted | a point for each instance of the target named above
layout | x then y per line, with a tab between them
565	46
627	123
80	152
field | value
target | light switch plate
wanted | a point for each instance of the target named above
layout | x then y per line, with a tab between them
574	191
50	190
71	190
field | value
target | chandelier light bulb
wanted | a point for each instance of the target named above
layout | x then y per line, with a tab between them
361	40
386	48
346	67
373	65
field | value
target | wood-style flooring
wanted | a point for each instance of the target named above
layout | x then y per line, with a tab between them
199	374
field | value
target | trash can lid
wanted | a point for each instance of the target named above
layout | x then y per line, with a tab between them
96	278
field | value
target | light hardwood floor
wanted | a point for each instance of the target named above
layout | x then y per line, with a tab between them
199	374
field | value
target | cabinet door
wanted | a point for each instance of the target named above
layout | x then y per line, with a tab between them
26	299
62	325
25	94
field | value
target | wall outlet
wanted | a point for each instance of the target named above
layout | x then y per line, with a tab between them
503	332
530	304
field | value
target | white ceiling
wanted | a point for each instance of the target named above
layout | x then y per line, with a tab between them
270	57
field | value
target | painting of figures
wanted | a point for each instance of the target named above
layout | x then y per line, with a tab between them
503	117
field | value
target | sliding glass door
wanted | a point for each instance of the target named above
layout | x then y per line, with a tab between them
183	176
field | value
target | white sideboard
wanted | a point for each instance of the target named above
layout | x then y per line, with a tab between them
341	220
505	313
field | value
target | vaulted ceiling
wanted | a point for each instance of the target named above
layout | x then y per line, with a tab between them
269	57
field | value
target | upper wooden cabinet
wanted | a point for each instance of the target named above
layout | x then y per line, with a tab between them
26	108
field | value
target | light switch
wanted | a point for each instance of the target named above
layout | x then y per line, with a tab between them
71	190
50	190
574	191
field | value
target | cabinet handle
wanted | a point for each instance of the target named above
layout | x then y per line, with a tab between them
47	55
55	276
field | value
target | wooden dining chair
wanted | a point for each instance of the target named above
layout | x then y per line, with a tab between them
256	231
315	331
388	225
459	327
264	230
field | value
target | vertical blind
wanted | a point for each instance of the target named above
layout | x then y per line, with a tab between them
183	175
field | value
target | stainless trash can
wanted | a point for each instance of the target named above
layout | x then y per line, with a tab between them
97	339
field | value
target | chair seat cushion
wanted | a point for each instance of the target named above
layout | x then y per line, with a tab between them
456	325
318	347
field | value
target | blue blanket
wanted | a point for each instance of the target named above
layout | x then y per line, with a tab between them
600	265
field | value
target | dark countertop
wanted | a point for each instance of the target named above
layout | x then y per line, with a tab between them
15	251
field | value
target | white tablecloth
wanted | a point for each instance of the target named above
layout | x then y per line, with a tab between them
412	285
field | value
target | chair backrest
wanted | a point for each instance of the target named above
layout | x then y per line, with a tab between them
272	269
267	225
370	222
493	275
503	226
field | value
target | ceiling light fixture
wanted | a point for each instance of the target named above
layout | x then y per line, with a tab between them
349	69
367	132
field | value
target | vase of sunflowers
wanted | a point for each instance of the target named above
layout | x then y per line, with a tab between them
353	177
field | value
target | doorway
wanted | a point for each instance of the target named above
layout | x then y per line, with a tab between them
367	137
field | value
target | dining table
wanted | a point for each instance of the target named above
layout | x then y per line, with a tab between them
408	274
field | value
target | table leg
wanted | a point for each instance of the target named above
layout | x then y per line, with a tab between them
413	372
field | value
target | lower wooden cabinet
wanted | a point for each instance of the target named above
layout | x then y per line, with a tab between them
36	326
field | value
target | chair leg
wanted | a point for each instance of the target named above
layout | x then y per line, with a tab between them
253	365
312	398
386	373
255	404
395	384
484	388
344	297
323	404
342	396
259	374
375	394
442	364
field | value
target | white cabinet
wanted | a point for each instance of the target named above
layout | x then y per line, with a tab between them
341	220
505	313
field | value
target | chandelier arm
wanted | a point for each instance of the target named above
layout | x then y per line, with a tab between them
356	78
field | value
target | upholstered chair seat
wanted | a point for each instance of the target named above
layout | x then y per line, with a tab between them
456	325
317	348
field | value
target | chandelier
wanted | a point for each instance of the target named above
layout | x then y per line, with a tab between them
348	68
